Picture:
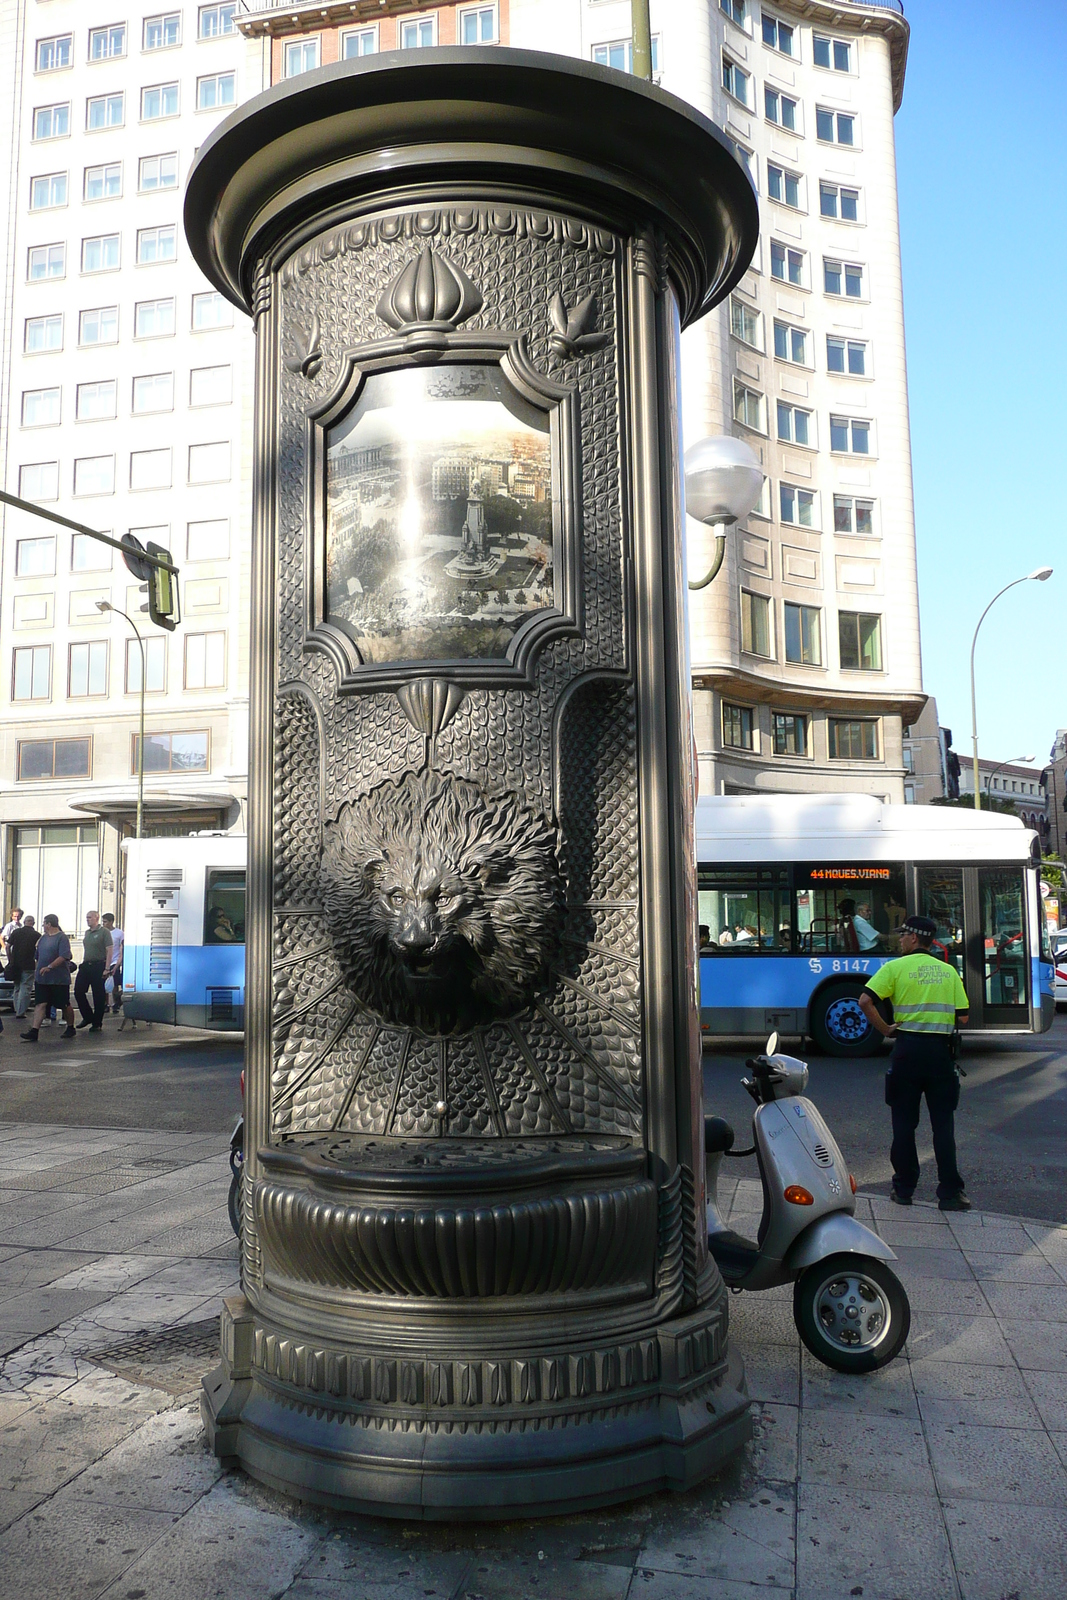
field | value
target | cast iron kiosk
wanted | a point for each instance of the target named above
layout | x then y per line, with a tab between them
474	1260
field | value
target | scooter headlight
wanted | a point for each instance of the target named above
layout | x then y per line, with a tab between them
790	1076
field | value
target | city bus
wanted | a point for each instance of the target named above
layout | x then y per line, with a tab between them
801	898
184	956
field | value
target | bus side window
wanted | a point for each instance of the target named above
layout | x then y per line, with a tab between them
224	906
743	911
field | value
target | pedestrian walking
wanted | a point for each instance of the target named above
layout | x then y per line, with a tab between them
96	956
114	971
929	1004
22	959
9	927
51	979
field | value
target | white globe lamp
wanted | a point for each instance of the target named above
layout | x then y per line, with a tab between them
723	481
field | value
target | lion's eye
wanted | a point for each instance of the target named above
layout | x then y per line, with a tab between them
397	897
447	899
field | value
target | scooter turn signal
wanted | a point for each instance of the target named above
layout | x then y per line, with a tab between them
798	1196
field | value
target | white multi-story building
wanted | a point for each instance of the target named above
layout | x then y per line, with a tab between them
805	649
126	406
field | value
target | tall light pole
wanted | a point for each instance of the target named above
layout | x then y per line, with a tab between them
641	46
105	605
1040	575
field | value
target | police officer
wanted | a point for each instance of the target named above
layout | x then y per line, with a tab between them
929	1002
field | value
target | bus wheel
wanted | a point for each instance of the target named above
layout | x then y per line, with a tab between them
837	1024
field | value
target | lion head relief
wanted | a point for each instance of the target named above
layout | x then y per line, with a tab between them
444	903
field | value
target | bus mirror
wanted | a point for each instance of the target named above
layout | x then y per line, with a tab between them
772	1045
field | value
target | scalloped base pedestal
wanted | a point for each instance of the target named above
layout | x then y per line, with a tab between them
481	1453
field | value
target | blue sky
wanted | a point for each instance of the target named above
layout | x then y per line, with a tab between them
982	180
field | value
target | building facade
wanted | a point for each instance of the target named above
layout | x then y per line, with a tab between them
931	769
1021	788
1054	779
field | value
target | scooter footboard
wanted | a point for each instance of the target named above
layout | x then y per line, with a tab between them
837	1234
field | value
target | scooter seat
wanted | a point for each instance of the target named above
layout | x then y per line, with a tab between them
733	1255
718	1136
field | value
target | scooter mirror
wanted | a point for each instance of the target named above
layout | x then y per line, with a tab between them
772	1045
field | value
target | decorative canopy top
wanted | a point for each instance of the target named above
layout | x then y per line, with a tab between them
575	133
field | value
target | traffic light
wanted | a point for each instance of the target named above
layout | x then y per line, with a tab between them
163	606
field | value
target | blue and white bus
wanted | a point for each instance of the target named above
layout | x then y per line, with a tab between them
801	897
184	955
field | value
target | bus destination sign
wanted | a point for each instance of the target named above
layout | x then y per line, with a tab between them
844	874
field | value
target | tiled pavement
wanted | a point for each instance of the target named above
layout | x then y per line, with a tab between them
942	1476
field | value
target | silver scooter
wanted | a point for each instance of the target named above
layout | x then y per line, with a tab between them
849	1307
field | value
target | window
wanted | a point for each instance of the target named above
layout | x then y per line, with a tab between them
100	326
833	53
478	25
105	44
205	660
736	81
735	10
157	172
208	541
51	122
209	463
103	183
43	333
783	186
359	42
787	265
790	733
747	160
301	56
214	21
161	100
853	515
46	261
163	33
154	392
803	635
745	911
53	758
418	35
778	35
55	54
779	108
790	344
835	127
224	906
150	469
87	669
748	407
210	386
846	355
795	424
39	481
852	741
737	727
94	475
156	244
796	505
755	624
101	254
620	54
211	311
220	89
48	191
31	672
35	558
153	319
171	752
105	111
40	408
909	759
155	671
89	555
860	638
843	277
745	323
97	401
850	435
837	201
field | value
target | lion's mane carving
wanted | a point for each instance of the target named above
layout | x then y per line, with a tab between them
445	904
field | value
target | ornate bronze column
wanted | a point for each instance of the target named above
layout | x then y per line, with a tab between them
474	1258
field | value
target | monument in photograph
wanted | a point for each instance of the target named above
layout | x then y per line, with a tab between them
474	1266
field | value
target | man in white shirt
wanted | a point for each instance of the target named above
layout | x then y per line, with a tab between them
14	921
867	934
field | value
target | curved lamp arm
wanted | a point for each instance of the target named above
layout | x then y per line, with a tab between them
716	563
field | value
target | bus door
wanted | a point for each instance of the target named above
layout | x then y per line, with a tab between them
980	917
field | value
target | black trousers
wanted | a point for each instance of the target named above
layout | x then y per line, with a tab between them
922	1065
91	976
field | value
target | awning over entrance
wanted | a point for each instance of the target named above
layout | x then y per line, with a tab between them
107	800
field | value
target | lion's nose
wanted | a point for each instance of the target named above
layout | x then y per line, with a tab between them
419	933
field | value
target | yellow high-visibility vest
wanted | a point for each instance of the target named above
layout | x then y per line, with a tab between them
926	993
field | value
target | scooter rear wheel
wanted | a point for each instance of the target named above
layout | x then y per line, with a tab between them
852	1312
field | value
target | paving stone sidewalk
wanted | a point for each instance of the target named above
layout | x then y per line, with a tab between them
944	1476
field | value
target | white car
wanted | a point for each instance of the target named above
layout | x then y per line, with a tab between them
1059	956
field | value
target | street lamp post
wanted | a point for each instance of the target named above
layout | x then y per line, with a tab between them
105	605
1040	575
1009	763
723	481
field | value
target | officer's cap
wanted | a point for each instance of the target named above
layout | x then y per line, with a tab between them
920	925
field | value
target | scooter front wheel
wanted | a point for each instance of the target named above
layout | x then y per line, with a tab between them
852	1312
